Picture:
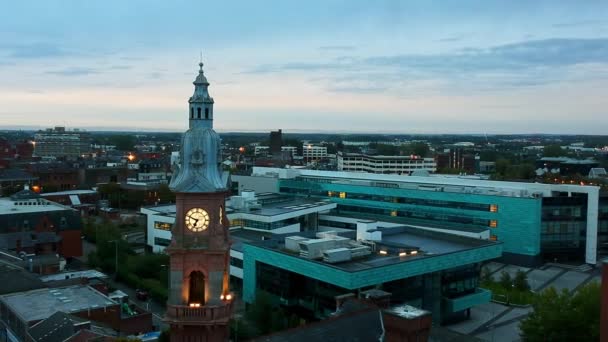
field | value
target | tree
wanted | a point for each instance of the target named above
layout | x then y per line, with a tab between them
165	336
165	194
502	168
564	316
260	312
122	142
265	316
485	274
553	151
521	281
505	280
420	149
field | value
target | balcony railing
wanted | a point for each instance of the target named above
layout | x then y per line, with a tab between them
203	314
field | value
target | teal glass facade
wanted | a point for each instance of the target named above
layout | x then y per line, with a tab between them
515	221
430	282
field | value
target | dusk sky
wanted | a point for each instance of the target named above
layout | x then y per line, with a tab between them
330	66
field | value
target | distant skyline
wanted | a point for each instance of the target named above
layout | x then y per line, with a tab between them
317	66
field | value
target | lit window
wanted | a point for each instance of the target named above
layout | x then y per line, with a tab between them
330	193
394	213
162	225
343	195
493	208
493	237
493	224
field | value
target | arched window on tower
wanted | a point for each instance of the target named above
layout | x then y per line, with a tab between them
206	113
198	112
191	113
197	288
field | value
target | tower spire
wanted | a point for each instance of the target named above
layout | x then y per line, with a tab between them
201	103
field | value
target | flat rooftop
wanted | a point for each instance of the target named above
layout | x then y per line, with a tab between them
287	204
40	304
429	244
9	206
442	183
407	311
69	192
89	274
268	206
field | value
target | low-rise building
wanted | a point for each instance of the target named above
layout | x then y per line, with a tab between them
271	213
307	271
34	225
313	152
357	162
535	221
22	312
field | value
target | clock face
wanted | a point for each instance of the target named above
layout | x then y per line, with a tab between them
197	219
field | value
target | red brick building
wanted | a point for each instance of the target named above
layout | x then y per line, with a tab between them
31	224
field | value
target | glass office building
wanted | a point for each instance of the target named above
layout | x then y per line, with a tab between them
536	222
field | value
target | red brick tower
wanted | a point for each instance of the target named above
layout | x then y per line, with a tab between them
200	303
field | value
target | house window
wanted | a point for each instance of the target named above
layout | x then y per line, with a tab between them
343	195
63	223
493	238
493	208
493	224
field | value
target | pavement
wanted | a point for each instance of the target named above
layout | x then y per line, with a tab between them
497	322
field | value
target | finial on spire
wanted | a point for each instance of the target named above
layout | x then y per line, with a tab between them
200	64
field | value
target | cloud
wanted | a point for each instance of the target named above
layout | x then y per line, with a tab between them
338	48
35	50
74	71
120	67
455	38
508	57
580	23
155	75
508	66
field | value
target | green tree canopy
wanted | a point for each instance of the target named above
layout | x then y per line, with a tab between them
564	316
553	151
165	194
122	142
420	149
521	281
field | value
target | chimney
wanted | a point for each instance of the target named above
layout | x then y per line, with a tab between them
381	299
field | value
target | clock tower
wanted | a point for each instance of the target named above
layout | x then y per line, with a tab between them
200	303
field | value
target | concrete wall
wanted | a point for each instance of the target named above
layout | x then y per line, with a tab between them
257	184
